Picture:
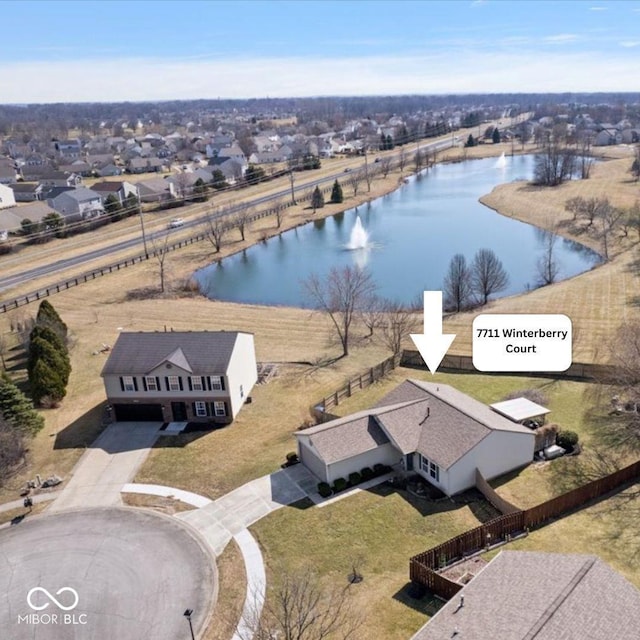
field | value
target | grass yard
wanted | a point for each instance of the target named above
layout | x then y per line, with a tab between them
608	529
377	529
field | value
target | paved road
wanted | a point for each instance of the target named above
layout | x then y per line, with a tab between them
78	260
135	573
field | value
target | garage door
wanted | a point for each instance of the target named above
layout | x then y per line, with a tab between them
138	412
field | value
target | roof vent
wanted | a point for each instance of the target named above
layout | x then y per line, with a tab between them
426	416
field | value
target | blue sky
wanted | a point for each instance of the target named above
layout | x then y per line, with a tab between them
111	50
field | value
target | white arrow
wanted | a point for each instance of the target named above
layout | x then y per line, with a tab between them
432	344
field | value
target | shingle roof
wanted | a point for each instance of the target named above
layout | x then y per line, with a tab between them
201	352
107	186
523	595
437	421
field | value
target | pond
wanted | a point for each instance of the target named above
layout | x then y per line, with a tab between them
412	235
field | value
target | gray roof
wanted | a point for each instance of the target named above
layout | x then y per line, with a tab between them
522	595
435	420
199	352
25	187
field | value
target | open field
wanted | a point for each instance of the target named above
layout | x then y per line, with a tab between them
377	529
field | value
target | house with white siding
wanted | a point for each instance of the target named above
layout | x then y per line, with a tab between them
7	197
429	429
192	376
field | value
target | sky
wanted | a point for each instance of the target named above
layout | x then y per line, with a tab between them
86	51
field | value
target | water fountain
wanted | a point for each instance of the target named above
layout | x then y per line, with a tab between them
359	237
501	162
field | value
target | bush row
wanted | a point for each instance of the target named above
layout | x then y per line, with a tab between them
355	478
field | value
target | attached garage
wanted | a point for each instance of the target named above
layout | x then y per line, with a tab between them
138	412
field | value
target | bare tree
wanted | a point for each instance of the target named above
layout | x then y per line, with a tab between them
574	206
487	275
216	228
298	608
585	158
385	166
398	324
242	219
402	159
608	216
418	160
355	179
635	165
341	295
633	217
279	209
457	284
160	249
372	314
183	185
547	265
554	164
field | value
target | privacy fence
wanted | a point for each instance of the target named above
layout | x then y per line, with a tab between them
424	567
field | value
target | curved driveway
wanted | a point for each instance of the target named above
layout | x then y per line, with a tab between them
134	572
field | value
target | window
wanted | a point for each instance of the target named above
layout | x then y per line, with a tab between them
216	383
434	471
424	464
152	383
220	409
241	391
201	409
174	383
196	383
128	383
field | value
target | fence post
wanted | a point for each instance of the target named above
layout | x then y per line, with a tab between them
349	389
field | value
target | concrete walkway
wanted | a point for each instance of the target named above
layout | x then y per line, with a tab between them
111	461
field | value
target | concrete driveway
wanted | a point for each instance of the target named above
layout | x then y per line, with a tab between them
111	461
101	574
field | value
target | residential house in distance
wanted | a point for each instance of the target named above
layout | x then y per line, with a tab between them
430	429
109	170
61	179
546	596
27	191
120	189
76	204
145	165
11	219
156	190
7	171
69	149
199	376
7	198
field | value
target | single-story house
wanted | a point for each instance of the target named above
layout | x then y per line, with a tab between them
7	197
426	428
11	219
546	596
144	165
156	190
197	376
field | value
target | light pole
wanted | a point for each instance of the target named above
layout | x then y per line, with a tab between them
144	237
187	615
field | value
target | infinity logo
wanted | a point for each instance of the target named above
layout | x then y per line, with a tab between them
52	598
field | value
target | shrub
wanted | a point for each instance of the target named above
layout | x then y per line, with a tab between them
355	478
339	484
366	473
567	439
324	489
292	457
381	469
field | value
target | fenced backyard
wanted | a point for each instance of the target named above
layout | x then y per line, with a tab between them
424	567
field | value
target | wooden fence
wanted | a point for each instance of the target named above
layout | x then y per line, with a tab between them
424	566
493	497
361	381
577	370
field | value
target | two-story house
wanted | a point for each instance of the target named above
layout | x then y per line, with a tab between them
76	204
194	376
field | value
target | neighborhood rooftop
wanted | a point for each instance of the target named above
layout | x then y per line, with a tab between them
524	595
197	351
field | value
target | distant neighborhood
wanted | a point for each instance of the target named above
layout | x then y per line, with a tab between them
97	170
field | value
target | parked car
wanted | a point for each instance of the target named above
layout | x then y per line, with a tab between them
174	223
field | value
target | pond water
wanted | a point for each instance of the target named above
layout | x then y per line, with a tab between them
412	235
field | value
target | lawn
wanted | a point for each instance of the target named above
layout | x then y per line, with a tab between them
379	530
608	529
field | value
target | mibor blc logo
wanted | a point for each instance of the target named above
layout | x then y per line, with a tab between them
64	599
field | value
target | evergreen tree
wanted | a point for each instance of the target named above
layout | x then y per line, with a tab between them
113	207
390	143
317	199
131	204
46	383
336	193
42	349
200	190
218	180
254	174
18	410
495	136
470	141
48	317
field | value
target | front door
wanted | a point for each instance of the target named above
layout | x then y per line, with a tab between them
179	411
408	462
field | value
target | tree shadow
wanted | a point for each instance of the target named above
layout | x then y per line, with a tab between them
83	431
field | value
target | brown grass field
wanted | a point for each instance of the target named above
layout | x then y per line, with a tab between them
387	526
